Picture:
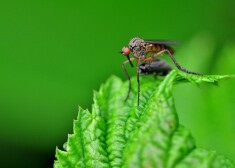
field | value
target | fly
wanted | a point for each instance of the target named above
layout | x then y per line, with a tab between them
140	50
157	67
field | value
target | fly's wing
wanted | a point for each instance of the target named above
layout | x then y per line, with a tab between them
157	67
164	42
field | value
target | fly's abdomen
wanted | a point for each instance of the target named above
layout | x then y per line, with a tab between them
158	47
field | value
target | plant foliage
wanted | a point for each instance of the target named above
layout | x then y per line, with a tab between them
121	134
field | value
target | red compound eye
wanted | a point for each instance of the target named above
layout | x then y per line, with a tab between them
126	51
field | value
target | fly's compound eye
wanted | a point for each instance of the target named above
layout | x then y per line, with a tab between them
126	51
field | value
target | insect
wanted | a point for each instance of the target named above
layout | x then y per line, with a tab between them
156	67
146	51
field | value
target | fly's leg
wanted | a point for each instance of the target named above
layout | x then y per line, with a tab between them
173	59
128	76
138	80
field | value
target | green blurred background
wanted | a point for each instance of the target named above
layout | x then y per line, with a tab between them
54	53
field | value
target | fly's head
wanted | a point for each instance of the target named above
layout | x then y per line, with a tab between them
138	47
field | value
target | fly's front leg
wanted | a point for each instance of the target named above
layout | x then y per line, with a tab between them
128	76
138	80
172	58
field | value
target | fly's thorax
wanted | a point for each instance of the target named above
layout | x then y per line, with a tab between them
138	47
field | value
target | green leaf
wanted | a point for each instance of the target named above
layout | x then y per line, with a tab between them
122	134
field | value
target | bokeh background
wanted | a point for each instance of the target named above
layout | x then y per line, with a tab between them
54	53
